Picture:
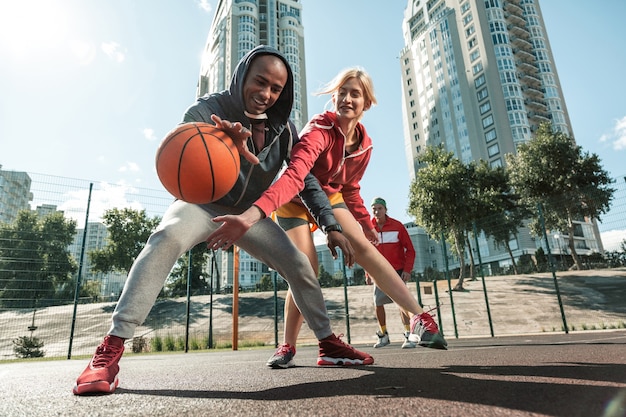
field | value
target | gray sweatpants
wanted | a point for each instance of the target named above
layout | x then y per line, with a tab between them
185	225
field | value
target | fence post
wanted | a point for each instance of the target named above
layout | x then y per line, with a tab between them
211	286
274	280
345	297
189	258
552	267
445	257
482	276
80	273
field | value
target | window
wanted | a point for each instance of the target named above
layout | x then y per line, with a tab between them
493	150
477	68
470	30
479	81
475	55
488	121
482	94
491	135
472	43
485	107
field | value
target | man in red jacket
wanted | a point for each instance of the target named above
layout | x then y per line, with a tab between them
396	246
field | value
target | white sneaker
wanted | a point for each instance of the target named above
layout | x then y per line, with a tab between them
383	339
407	343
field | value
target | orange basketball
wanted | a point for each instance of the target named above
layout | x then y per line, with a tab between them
197	163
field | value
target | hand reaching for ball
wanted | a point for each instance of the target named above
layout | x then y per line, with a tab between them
239	135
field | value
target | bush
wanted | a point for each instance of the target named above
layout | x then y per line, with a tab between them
139	344
28	347
156	344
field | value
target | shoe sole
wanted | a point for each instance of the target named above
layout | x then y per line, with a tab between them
379	346
437	342
98	387
326	361
290	364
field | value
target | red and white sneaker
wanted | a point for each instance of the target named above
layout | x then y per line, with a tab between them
333	351
100	376
283	357
424	332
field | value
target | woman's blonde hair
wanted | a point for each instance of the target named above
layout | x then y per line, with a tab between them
340	79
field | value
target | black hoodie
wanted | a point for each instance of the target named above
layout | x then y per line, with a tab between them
254	179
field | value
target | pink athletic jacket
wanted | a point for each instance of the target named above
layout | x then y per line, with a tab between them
395	244
321	151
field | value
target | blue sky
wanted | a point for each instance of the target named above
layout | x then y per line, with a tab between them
89	87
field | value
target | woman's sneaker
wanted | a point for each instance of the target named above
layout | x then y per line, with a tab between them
100	376
424	332
333	351
407	343
283	357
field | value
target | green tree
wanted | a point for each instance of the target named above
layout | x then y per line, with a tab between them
326	280
440	200
177	280
497	210
128	230
35	265
552	171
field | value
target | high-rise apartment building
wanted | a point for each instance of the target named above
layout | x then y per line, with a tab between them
15	194
479	77
240	25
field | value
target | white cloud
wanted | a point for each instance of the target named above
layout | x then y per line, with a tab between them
129	167
104	196
113	51
205	5
148	133
619	134
83	51
612	239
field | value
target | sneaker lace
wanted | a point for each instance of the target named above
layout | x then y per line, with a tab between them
104	355
428	322
284	349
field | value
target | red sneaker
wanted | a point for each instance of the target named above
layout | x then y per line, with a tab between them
425	332
100	376
333	351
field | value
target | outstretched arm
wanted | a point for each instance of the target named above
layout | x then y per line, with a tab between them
316	201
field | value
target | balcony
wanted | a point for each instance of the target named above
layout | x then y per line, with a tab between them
518	30
536	104
524	55
521	44
515	19
526	67
532	92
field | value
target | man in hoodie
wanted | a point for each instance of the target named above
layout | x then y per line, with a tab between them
259	100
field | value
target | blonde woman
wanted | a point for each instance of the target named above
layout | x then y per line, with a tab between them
335	147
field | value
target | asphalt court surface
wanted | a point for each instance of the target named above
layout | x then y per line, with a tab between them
552	374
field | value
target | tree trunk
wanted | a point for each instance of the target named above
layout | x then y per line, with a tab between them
471	255
570	243
510	252
459	251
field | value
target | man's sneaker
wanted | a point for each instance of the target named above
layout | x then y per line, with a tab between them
383	339
424	332
407	343
283	358
100	376
333	351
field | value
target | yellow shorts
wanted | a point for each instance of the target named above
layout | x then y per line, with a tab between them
293	214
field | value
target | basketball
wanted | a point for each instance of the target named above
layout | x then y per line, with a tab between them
197	163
